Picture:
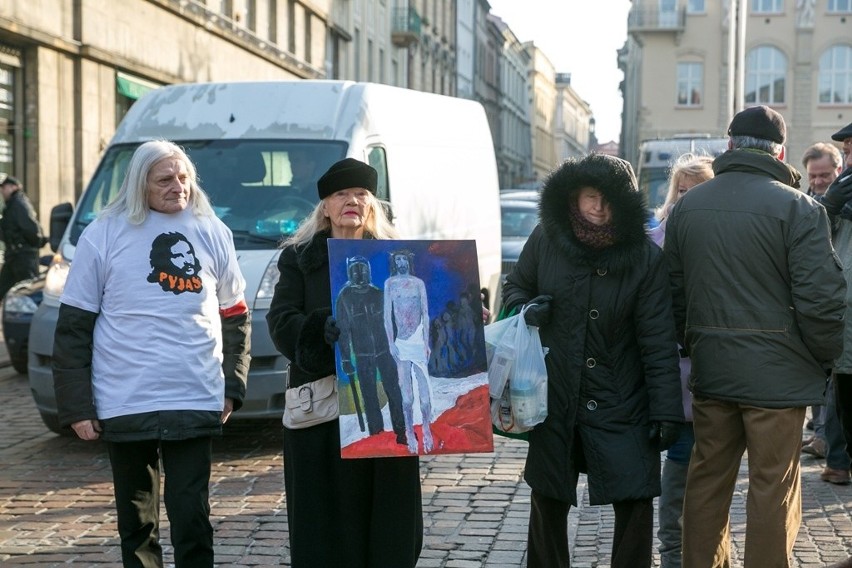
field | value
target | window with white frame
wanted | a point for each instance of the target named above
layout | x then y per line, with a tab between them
690	83
840	6
766	76
835	76
767	6
696	7
668	13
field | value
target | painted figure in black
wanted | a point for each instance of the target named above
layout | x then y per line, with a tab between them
364	348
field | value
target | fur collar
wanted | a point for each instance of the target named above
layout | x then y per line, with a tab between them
612	177
314	255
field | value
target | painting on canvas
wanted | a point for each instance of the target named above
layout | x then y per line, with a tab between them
411	365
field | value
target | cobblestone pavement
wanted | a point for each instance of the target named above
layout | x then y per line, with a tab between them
56	502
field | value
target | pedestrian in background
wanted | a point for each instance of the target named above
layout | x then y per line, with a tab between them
687	171
823	163
759	301
358	513
151	350
22	236
843	244
598	291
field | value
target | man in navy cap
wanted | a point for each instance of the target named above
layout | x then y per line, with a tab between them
21	233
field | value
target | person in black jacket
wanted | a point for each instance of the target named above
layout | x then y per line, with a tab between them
358	513
155	366
598	290
22	236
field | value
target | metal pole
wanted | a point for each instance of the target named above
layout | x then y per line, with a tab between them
741	40
733	9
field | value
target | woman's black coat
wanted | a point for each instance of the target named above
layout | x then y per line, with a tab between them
360	513
613	360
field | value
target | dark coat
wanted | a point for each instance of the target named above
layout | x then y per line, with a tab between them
336	514
613	362
19	225
759	293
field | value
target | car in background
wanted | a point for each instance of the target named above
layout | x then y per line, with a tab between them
519	216
19	305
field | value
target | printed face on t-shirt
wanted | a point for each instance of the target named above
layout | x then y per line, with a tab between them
174	265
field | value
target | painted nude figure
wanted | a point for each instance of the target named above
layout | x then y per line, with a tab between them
406	312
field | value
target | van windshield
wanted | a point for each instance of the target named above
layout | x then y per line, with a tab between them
261	189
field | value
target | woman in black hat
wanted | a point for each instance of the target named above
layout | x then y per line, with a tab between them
359	513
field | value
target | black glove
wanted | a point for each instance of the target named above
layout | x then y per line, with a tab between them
538	311
665	434
838	193
330	331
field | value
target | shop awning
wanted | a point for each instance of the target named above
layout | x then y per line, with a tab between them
132	87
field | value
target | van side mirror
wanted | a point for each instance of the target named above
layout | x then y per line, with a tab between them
60	215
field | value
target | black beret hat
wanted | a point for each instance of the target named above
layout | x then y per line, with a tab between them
759	122
345	174
843	133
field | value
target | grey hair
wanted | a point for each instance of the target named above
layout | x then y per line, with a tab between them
377	223
820	150
132	197
768	146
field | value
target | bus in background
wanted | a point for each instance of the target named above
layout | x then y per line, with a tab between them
656	158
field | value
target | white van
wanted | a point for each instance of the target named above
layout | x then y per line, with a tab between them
436	167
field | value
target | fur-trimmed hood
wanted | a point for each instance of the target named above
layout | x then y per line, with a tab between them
614	178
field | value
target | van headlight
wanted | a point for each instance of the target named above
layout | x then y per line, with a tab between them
267	285
56	277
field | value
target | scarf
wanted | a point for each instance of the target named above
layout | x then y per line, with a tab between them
596	237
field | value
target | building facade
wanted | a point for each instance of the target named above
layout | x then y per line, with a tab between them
541	77
514	145
689	65
573	124
69	71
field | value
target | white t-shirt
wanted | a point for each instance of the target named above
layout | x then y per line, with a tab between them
157	288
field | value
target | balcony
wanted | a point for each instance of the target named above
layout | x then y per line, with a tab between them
656	20
405	27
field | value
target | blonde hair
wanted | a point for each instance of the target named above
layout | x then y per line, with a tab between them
687	165
376	224
132	197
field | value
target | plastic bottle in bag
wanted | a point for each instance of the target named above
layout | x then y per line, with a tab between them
524	396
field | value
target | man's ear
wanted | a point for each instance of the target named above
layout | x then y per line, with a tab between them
782	153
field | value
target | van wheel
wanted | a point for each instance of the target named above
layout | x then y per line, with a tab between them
19	363
52	423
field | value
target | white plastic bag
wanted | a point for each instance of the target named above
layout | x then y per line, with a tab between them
500	353
518	384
